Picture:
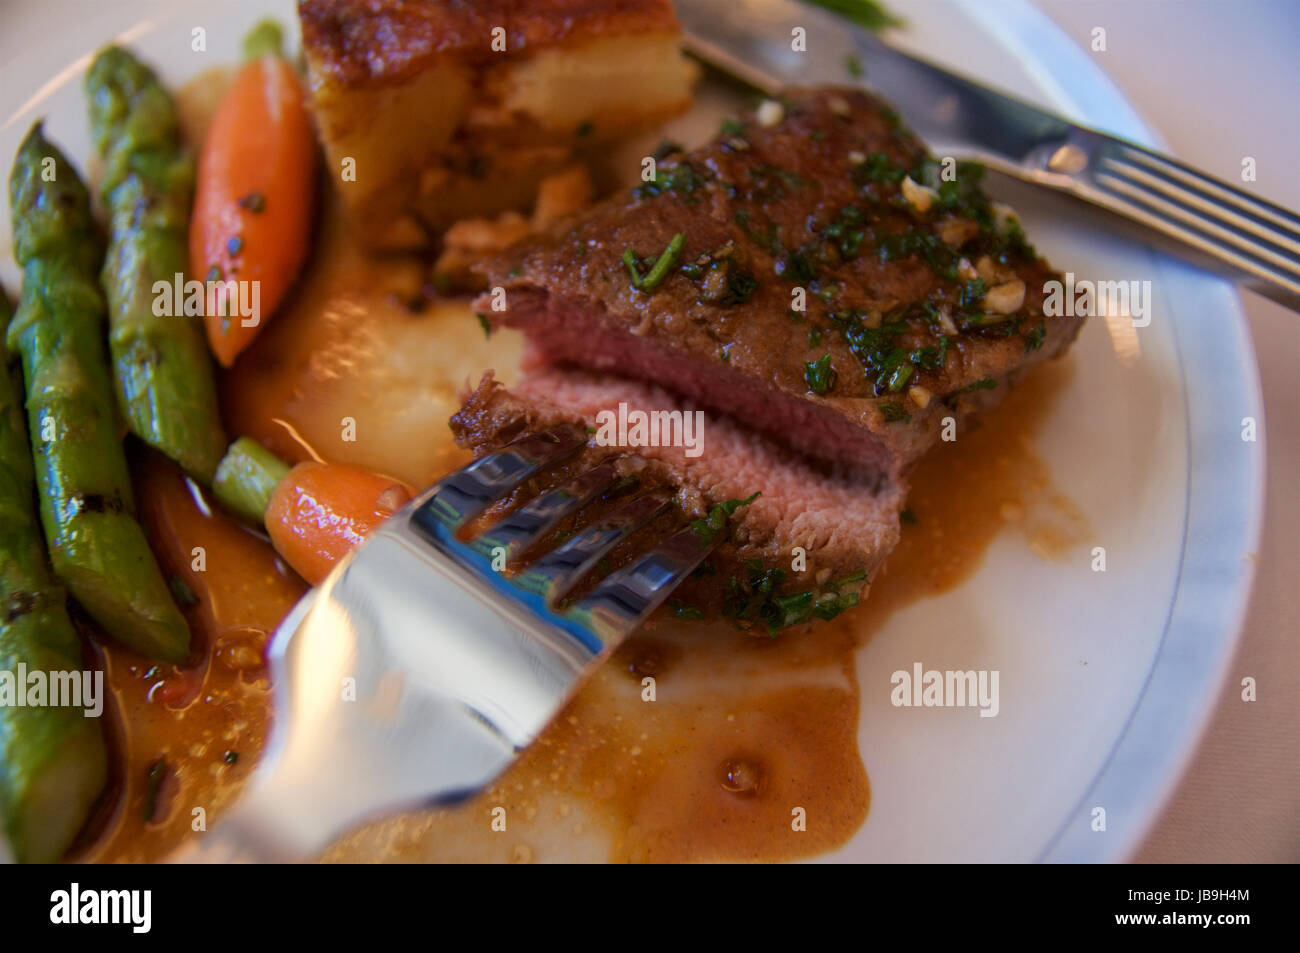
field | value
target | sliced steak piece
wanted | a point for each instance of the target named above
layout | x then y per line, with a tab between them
845	529
921	301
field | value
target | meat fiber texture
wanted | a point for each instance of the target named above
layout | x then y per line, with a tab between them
839	297
844	532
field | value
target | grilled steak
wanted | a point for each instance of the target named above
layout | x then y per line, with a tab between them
755	577
836	288
827	291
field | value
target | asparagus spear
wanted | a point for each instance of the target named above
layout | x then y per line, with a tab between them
246	478
96	546
161	364
52	760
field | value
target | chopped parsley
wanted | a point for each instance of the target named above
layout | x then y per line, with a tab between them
710	527
878	169
987	383
731	127
820	375
894	412
659	271
680	179
685	611
483	323
754	599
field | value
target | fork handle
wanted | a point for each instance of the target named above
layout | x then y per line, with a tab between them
1239	235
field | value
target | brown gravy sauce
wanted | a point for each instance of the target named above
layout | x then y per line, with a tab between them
747	738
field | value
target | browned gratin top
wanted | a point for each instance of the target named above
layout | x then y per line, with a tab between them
357	42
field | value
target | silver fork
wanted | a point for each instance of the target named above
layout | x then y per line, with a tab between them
415	673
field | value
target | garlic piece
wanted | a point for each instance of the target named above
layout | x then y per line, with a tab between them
1005	298
770	113
920	197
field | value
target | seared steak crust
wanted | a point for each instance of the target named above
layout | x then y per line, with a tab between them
919	301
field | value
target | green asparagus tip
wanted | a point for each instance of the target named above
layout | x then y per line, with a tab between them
246	478
267	38
48	201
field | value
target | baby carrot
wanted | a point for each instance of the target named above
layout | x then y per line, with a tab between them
253	202
321	511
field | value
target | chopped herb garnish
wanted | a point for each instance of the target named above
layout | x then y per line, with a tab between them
630	259
659	271
894	412
987	383
878	169
898	377
795	267
624	484
1034	339
931	358
666	148
680	179
708	528
984	320
769	240
853	65
754	598
483	323
515	272
908	517
685	611
731	127
859	576
230	757
971	292
819	374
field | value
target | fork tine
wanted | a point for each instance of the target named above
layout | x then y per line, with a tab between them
526	525
469	491
558	571
625	599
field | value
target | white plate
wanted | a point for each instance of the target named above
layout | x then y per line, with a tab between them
1107	679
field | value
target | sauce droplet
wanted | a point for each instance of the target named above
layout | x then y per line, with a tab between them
742	776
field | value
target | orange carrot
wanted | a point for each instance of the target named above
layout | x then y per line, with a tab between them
253	201
321	511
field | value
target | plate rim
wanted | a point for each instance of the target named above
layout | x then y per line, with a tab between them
1136	785
1078	82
